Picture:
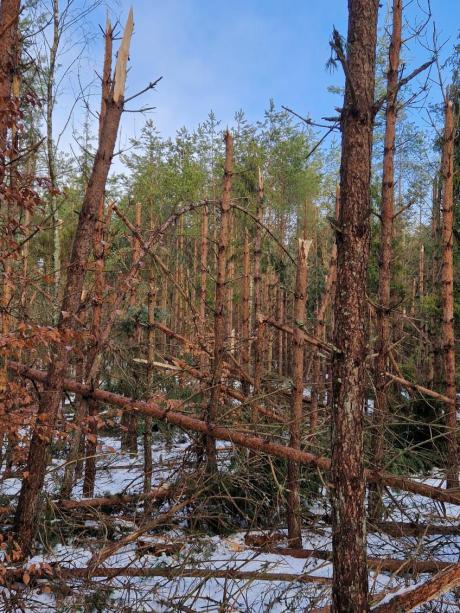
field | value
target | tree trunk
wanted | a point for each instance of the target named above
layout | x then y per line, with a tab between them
26	519
320	325
96	326
257	287
130	422
220	326
9	21
148	466
246	313
441	583
85	409
385	256
9	56
350	585
448	332
293	478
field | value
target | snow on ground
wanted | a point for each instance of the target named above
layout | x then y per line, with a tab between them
119	472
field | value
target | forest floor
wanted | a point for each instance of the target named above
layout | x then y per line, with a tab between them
183	548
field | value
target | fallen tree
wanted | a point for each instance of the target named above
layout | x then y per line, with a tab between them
158	493
390	565
240	439
168	573
441	583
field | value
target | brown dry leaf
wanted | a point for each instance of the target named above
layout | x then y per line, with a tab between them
234	546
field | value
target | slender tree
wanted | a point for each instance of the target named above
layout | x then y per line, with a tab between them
385	257
9	38
220	316
448	330
350	586
246	312
257	290
50	399
9	58
298	353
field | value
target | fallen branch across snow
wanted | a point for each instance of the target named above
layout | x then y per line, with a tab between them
247	441
59	572
391	565
439	584
111	501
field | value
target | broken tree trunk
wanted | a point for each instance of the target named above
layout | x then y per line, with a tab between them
77	440
257	288
50	398
320	325
448	332
386	236
148	466
246	314
350	587
391	565
441	583
220	315
89	480
295	427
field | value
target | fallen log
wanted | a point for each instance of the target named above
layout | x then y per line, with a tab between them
399	529
390	565
240	439
115	500
425	391
441	583
168	573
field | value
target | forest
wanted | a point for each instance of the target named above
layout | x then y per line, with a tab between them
228	357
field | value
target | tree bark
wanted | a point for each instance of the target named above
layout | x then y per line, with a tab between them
320	325
220	315
246	313
293	474
257	288
448	332
148	422
441	583
350	586
9	22
129	422
385	256
26	519
99	250
9	57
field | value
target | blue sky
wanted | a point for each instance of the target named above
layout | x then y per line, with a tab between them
226	55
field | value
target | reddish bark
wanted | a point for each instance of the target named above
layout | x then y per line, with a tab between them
246	313
28	505
350	586
220	315
448	331
257	288
320	325
293	474
9	20
385	255
441	583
